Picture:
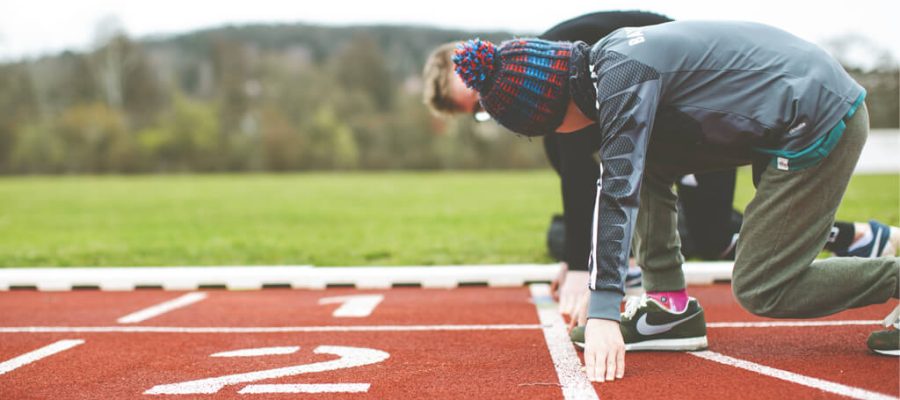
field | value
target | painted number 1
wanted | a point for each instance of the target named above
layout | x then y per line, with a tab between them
348	357
358	306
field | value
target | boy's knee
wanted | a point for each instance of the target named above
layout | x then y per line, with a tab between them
751	300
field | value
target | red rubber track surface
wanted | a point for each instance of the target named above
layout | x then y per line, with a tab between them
478	364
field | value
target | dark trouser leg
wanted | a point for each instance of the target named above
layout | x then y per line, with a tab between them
707	209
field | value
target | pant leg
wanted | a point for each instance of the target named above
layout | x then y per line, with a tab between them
707	209
551	150
578	172
776	273
656	243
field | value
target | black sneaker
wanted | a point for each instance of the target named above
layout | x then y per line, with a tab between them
887	342
648	325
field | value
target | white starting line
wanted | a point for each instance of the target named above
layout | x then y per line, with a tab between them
267	329
815	383
573	381
546	323
162	308
38	354
790	324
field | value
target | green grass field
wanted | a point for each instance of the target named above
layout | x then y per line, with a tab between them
320	219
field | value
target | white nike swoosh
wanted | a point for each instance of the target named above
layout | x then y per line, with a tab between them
648	330
875	244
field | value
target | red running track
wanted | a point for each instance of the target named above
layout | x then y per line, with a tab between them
414	343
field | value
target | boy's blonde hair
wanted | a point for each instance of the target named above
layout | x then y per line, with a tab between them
437	74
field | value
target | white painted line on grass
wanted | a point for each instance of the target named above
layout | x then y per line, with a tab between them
307	388
788	324
272	329
814	383
262	351
574	382
162	308
38	354
358	306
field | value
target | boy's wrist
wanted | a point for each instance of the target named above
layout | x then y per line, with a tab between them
605	304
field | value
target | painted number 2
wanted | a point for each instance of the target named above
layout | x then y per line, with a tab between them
348	357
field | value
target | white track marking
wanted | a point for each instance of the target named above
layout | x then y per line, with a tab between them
266	329
349	357
787	324
262	351
574	382
358	306
378	328
162	308
307	388
814	383
38	354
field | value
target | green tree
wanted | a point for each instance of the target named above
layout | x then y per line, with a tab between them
361	67
96	140
281	142
330	144
187	138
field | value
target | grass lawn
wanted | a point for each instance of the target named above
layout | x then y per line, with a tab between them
320	219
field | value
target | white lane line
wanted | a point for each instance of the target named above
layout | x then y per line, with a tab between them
372	328
790	324
262	351
265	329
574	382
358	306
38	354
814	383
307	388
162	308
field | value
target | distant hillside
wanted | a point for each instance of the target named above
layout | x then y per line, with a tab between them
405	47
261	98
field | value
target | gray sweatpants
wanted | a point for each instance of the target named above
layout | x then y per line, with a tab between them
786	225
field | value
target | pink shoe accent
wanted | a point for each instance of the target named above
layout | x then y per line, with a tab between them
674	301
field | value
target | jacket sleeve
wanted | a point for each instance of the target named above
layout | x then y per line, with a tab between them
627	97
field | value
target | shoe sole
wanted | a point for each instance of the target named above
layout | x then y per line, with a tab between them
686	344
895	353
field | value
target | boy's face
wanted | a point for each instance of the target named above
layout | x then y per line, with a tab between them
464	99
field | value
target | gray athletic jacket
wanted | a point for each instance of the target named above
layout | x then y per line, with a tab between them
722	94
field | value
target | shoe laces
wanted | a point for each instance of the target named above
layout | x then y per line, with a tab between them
893	318
633	303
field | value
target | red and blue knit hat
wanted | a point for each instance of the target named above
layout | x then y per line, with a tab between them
523	84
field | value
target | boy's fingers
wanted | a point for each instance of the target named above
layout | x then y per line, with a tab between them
575	317
569	304
620	364
582	313
565	304
611	359
589	363
600	367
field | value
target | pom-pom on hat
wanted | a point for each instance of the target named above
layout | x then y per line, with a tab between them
523	83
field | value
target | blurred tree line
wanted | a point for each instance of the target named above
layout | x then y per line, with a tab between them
261	98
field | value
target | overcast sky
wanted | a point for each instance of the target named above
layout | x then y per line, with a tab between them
34	27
